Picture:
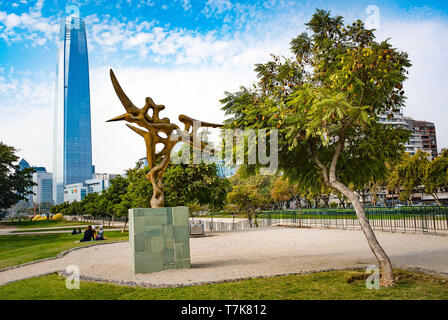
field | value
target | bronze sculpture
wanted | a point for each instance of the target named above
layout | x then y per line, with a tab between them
157	161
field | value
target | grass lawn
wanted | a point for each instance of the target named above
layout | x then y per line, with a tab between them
220	216
40	224
326	285
68	229
18	249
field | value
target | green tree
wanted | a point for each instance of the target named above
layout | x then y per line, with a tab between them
435	178
325	102
59	208
73	209
15	184
283	190
409	174
248	199
89	205
111	197
190	183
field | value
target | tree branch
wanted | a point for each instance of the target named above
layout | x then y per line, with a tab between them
322	168
334	161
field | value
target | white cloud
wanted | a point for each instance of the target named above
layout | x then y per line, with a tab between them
26	114
29	26
186	5
216	7
426	41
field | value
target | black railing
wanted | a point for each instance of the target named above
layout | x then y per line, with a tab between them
432	220
402	219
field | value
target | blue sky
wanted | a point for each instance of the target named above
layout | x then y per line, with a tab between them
185	54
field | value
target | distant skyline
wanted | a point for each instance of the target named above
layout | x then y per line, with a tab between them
185	54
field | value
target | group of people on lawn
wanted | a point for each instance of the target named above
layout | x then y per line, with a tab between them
91	233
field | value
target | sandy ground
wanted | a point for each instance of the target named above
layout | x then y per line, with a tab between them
254	253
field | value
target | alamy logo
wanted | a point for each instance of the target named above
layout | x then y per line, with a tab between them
72	13
72	281
373	17
373	280
237	147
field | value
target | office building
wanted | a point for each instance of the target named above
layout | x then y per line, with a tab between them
72	145
99	183
43	190
74	192
423	137
423	133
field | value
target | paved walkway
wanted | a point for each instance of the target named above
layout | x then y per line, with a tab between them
255	253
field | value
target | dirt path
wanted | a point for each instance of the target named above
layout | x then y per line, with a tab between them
263	252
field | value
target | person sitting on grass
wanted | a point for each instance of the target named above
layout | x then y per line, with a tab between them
88	234
100	235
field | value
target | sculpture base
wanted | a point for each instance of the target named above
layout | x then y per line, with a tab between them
159	239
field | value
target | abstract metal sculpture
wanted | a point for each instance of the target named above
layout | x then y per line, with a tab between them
157	161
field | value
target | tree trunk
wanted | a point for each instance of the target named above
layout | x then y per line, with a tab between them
436	198
387	275
124	226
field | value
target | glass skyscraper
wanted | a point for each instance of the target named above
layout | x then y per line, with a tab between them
72	149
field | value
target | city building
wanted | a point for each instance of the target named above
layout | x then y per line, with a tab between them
72	141
143	161
77	191
74	192
23	164
225	170
43	190
104	176
423	137
99	183
423	133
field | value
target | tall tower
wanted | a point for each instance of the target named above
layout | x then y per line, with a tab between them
72	144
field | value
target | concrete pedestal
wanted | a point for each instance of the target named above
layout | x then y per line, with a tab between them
159	239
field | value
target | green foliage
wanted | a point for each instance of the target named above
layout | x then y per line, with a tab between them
329	93
250	194
247	198
334	285
15	184
283	190
409	174
89	204
436	175
59	208
188	183
418	174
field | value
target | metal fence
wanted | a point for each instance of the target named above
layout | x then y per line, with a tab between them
224	226
403	219
433	220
